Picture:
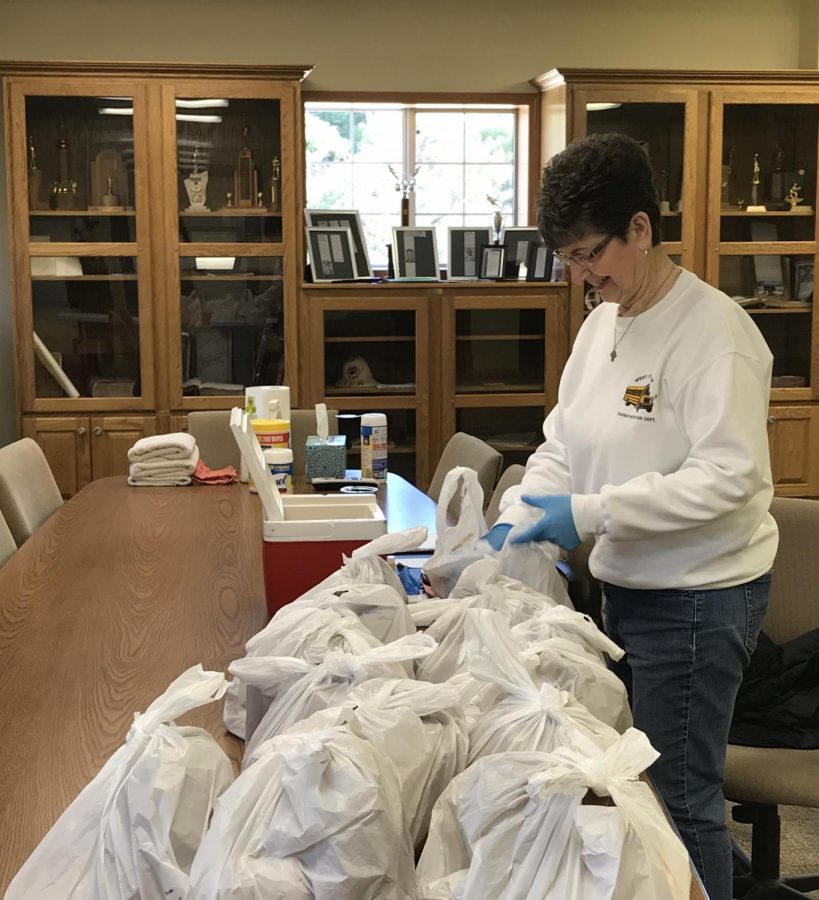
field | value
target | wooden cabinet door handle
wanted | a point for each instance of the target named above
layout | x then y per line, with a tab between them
97	430
772	420
81	430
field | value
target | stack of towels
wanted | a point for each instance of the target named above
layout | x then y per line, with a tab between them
163	459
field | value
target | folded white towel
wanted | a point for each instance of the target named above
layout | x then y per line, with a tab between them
160	482
162	446
169	468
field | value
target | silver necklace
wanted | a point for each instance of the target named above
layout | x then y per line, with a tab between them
616	340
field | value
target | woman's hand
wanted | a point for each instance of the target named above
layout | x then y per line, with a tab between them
555	525
496	536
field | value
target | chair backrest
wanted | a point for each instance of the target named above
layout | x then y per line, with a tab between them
466	450
794	608
7	545
217	446
302	425
28	491
511	476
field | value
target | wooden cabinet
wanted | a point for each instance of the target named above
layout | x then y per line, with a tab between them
727	150
480	357
156	247
82	448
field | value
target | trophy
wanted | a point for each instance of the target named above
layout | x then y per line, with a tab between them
196	186
246	190
497	219
665	206
726	186
755	183
64	190
405	184
778	175
276	186
35	179
109	185
792	198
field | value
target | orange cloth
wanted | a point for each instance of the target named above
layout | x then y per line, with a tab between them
203	475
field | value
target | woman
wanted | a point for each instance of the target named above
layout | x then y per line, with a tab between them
658	449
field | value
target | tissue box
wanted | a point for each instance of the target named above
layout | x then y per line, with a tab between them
325	459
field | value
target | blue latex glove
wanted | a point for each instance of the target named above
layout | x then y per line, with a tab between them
497	536
555	525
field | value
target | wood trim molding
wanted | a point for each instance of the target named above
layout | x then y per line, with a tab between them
132	69
411	97
605	77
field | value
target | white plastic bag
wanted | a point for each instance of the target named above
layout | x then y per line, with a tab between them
365	565
318	817
445	621
381	609
304	687
133	831
296	631
571	625
518	823
528	716
460	544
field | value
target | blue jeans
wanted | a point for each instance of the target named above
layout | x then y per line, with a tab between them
685	654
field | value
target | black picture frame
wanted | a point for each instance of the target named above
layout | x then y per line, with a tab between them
464	245
493	258
540	263
345	218
517	241
331	253
415	253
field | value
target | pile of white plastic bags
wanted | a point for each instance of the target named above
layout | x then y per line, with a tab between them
479	735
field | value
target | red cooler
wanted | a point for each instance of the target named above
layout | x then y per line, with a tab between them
305	535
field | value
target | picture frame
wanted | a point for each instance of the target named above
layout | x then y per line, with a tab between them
341	218
415	253
540	263
493	259
331	252
803	280
464	245
517	241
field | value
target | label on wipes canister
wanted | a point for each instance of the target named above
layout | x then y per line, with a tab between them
374	451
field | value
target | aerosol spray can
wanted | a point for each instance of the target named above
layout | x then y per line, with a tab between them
374	446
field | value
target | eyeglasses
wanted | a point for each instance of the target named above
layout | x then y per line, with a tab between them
584	259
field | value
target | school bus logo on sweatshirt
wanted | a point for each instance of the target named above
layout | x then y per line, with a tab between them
639	396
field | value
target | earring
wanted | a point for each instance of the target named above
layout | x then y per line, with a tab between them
644	249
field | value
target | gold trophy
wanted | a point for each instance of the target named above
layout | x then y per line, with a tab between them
246	190
196	186
792	198
276	186
64	191
35	179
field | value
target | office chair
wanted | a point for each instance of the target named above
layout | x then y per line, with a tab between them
760	779
28	491
217	446
466	450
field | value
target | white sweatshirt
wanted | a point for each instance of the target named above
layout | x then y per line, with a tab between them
665	449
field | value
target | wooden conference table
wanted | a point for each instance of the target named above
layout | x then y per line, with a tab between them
120	591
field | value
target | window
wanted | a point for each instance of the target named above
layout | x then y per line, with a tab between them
465	154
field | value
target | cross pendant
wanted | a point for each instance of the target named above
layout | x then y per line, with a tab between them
612	355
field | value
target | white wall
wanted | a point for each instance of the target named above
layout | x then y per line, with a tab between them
428	45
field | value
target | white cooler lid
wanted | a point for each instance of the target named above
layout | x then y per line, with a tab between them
252	455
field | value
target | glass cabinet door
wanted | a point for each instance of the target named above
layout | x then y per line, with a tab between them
84	183
762	222
662	120
231	163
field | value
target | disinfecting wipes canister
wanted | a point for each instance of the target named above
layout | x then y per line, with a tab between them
374	446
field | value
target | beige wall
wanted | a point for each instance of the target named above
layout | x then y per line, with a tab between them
428	45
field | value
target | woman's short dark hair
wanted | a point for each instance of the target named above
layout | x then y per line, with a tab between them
596	185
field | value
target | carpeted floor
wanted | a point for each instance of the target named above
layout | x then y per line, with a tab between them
800	840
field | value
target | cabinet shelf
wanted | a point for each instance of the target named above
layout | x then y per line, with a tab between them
788	310
500	337
82	212
84	278
370	339
231	277
498	387
355	449
221	213
782	213
373	390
